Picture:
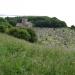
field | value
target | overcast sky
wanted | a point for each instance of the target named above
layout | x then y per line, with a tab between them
62	9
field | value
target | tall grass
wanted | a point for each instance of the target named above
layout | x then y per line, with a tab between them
18	57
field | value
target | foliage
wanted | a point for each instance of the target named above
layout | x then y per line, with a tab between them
13	20
2	28
39	21
72	27
23	33
44	21
4	25
56	23
32	34
2	19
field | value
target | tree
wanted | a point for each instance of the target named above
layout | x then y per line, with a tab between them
72	27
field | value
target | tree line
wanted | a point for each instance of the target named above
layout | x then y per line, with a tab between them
39	21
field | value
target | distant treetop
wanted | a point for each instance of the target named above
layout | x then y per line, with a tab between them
38	21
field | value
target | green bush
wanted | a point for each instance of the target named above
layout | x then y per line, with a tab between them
2	28
73	27
33	35
22	33
13	20
4	25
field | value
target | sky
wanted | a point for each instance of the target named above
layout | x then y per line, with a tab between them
62	9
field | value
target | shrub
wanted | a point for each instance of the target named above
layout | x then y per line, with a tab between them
33	35
13	20
2	19
2	28
22	33
73	27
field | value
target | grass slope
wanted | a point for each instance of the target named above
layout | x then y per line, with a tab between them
18	57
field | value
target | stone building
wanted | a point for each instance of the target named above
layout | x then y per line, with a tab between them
24	23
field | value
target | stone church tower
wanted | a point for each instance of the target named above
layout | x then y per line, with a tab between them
24	23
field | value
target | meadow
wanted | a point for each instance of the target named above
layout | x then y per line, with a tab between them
19	57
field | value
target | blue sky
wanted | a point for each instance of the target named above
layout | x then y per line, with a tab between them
62	9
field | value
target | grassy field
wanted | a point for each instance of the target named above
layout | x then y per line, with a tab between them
18	57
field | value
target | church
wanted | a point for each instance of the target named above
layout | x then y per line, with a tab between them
24	23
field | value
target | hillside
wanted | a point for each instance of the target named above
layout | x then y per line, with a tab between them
55	37
18	57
